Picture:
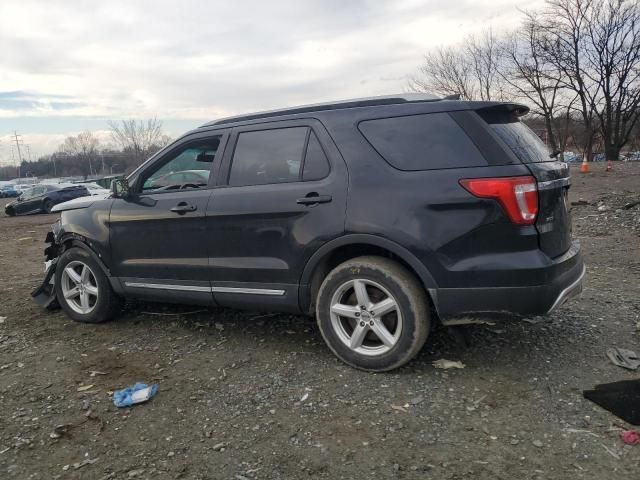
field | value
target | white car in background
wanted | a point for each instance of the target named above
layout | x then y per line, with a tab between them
95	189
21	187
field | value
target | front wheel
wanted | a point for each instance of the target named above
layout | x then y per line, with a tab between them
373	313
83	290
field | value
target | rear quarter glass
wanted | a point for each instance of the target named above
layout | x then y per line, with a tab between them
431	141
520	139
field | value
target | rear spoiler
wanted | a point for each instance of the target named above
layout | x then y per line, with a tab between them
501	112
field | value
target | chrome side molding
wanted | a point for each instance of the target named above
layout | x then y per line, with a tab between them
571	291
195	288
560	182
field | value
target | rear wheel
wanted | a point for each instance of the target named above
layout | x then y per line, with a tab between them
47	205
83	290
373	313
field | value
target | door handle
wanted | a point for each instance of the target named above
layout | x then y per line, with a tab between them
183	208
313	198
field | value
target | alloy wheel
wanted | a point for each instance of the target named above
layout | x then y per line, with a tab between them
79	287
366	317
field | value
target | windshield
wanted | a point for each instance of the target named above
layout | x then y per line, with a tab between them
28	193
526	145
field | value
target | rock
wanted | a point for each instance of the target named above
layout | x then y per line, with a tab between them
416	400
537	443
219	447
446	364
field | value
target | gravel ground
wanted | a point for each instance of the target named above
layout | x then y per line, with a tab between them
248	395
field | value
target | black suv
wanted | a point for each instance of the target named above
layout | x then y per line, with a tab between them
377	215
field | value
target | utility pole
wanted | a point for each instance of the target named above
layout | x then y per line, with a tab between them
18	139
53	160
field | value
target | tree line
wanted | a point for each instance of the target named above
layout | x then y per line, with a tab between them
576	63
84	155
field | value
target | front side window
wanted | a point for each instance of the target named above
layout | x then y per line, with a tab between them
187	168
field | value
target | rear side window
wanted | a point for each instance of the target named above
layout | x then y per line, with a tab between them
522	141
422	142
268	156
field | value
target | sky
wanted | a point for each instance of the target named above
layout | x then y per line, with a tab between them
73	65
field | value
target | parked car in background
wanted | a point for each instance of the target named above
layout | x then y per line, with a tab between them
95	189
631	157
571	157
174	180
22	187
8	191
379	216
42	198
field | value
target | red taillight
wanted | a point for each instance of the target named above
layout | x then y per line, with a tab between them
517	195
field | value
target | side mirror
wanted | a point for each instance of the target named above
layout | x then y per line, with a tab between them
120	188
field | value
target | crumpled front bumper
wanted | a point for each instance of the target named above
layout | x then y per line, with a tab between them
45	294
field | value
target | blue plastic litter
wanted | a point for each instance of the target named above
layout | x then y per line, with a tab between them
140	392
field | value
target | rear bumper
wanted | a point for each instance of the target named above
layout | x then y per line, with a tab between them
564	281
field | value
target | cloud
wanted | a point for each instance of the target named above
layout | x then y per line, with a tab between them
194	61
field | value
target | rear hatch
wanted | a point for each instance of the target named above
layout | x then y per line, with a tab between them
554	220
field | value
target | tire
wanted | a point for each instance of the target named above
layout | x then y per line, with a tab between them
355	334
10	211
94	301
47	205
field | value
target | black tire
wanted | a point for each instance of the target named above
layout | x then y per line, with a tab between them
106	305
402	288
47	205
10	211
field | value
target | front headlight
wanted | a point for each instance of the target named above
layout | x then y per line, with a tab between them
55	228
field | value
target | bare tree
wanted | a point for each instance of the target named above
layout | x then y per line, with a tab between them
613	61
84	148
469	69
138	137
532	77
565	44
596	46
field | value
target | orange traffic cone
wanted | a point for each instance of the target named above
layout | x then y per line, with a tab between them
609	166
584	168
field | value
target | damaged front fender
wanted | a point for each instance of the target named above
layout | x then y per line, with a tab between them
45	294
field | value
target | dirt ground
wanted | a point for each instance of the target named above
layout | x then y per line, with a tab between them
248	395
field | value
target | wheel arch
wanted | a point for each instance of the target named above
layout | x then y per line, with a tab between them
75	240
346	247
44	202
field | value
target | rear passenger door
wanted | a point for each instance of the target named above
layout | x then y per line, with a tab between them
282	194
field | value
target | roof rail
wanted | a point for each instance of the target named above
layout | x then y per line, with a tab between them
350	103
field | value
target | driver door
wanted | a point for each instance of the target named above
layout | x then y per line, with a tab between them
158	236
